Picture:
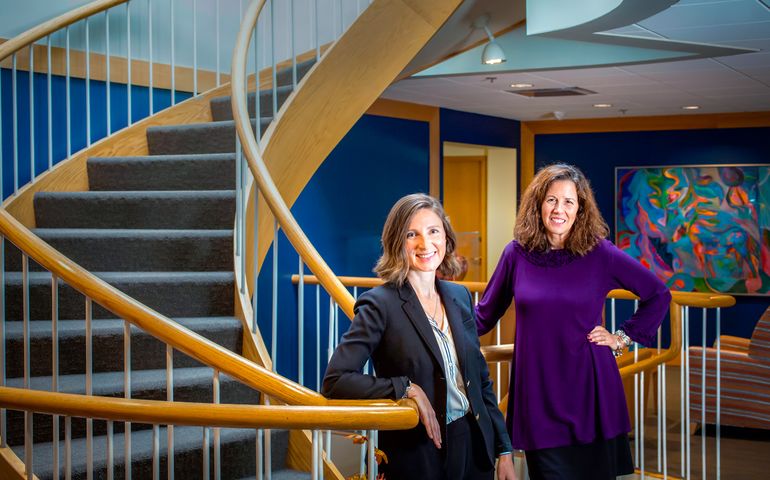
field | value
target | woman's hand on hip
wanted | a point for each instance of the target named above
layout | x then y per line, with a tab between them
427	414
505	470
601	336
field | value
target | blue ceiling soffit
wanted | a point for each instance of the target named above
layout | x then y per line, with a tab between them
564	34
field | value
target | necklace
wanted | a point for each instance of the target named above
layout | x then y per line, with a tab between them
435	312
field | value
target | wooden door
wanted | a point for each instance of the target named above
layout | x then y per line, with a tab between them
465	201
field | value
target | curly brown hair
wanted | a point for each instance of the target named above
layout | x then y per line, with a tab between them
589	227
393	265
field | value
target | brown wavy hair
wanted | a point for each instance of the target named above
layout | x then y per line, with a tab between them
589	227
393	265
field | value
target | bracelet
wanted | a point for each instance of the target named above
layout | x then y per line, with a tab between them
624	342
406	390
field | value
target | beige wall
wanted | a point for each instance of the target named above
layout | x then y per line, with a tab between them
501	194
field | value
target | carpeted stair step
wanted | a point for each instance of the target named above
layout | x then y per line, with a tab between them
213	209
190	385
136	250
222	109
174	294
213	171
211	137
237	447
148	352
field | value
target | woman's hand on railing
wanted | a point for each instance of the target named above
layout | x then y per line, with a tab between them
505	470
427	414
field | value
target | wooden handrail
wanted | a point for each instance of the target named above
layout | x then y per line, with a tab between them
55	24
354	417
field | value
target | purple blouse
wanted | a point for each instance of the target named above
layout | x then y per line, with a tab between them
565	390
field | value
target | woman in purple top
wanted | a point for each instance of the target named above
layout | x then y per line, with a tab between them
566	405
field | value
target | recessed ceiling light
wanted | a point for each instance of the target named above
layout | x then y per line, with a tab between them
521	85
602	105
691	107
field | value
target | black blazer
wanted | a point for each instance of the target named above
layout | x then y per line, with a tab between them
391	327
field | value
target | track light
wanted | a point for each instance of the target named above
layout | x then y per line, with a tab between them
492	54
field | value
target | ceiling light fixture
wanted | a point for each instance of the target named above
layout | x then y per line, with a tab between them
602	105
522	85
691	107
492	54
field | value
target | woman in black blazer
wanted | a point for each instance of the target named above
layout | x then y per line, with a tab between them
420	333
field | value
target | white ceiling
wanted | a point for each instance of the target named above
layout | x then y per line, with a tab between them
738	83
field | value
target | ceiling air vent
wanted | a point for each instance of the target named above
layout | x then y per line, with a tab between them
552	92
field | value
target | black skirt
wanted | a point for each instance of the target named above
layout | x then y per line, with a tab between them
598	460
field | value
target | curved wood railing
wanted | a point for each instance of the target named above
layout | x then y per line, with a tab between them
345	415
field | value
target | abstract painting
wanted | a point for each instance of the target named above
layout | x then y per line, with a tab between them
698	228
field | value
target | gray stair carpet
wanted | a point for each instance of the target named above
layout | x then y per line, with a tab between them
159	228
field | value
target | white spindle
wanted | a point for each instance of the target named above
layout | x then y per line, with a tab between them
217	452
195	47
301	323
206	455
128	63
49	103
170	398
155	452
273	61
718	412
173	54
110	450
89	388
108	76
151	106
15	124
28	439
32	113
68	106
88	82
274	316
127	394
68	448
703	396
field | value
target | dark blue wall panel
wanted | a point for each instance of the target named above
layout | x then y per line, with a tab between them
597	154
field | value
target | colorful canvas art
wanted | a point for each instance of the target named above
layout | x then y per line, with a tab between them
699	228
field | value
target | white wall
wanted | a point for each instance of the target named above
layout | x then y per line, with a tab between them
334	15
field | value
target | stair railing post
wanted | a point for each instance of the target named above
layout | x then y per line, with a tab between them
274	306
28	438
128	63
15	120
107	79
195	47
703	396
688	449
718	412
151	107
155	452
301	323
127	394
3	418
314	462
32	112
170	398
89	387
173	52
88	82
217	452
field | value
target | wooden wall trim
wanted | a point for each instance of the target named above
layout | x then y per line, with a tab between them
628	124
424	113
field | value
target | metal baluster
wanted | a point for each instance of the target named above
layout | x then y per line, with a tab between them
108	77
238	200
155	452
68	448
49	103
217	452
88	82
274	323
659	402
15	126
151	107
128	61
173	55
257	85
89	388
372	462
110	451
170	398
260	455
643	410
293	48
318	337
55	367
314	462
28	440
703	396
255	256
2	194
636	411
272	58
687	388
31	112
3	418
195	47
206	454
316	31
268	449
718	412
127	393
301	323
67	108
217	42
664	434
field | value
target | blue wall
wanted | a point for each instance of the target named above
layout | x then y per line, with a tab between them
98	94
597	154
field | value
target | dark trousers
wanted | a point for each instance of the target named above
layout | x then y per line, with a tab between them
466	455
